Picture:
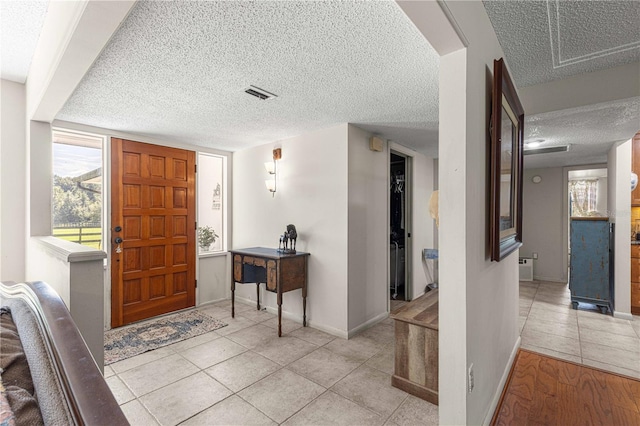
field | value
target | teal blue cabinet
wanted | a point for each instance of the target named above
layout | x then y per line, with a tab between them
591	271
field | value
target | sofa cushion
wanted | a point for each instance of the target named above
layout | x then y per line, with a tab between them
17	384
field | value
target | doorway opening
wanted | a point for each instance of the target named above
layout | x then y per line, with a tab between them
399	227
587	190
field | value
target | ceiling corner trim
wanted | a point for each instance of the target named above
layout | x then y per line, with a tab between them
436	23
445	8
555	40
52	79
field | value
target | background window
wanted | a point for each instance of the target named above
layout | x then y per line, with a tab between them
77	188
211	203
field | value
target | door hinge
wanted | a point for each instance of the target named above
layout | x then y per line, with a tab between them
196	225
196	283
195	168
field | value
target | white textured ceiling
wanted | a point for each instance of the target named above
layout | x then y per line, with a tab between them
553	39
591	131
178	70
546	40
20	25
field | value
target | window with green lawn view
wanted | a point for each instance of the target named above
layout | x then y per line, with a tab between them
77	188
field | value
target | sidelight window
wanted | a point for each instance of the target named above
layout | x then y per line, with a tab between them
77	188
212	196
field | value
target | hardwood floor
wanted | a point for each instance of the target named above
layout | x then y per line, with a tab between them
547	391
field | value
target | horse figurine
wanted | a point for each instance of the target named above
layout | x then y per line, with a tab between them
293	236
284	242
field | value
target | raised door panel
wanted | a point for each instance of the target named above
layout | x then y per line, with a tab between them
635	294
635	298
635	270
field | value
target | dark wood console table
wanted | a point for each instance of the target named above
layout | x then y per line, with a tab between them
281	272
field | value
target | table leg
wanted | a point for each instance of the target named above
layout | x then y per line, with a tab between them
279	314
304	311
304	297
258	296
233	298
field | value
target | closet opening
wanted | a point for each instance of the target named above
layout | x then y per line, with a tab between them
399	227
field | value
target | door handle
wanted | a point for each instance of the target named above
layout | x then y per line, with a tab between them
118	240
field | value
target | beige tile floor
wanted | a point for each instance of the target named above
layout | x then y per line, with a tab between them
243	374
550	326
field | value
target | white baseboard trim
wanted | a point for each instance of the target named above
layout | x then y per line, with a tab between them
549	279
373	321
623	315
211	302
297	318
329	330
502	383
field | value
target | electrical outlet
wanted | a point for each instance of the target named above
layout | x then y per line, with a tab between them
471	379
534	255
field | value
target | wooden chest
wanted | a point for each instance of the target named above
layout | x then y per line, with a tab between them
416	332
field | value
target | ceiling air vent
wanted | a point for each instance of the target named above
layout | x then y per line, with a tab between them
548	150
260	93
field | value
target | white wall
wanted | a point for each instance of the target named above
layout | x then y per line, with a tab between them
603	196
542	223
13	165
619	177
40	165
591	88
422	232
214	278
75	272
368	230
478	298
311	194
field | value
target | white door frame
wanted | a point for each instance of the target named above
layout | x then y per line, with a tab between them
408	253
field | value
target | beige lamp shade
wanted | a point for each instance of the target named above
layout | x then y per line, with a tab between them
270	184
433	207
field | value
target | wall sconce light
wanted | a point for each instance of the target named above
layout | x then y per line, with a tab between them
270	167
271	186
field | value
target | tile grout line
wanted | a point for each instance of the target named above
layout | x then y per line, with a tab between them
304	406
173	351
586	327
579	338
396	410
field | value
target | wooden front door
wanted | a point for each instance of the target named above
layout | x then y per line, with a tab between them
153	213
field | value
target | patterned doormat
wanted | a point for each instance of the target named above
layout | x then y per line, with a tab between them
125	342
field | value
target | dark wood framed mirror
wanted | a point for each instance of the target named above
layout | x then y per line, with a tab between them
505	165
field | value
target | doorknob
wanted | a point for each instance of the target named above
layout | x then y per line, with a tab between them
118	240
118	228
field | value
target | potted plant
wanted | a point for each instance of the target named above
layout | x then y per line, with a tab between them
206	237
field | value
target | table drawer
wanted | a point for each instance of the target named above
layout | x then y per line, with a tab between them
272	276
248	269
